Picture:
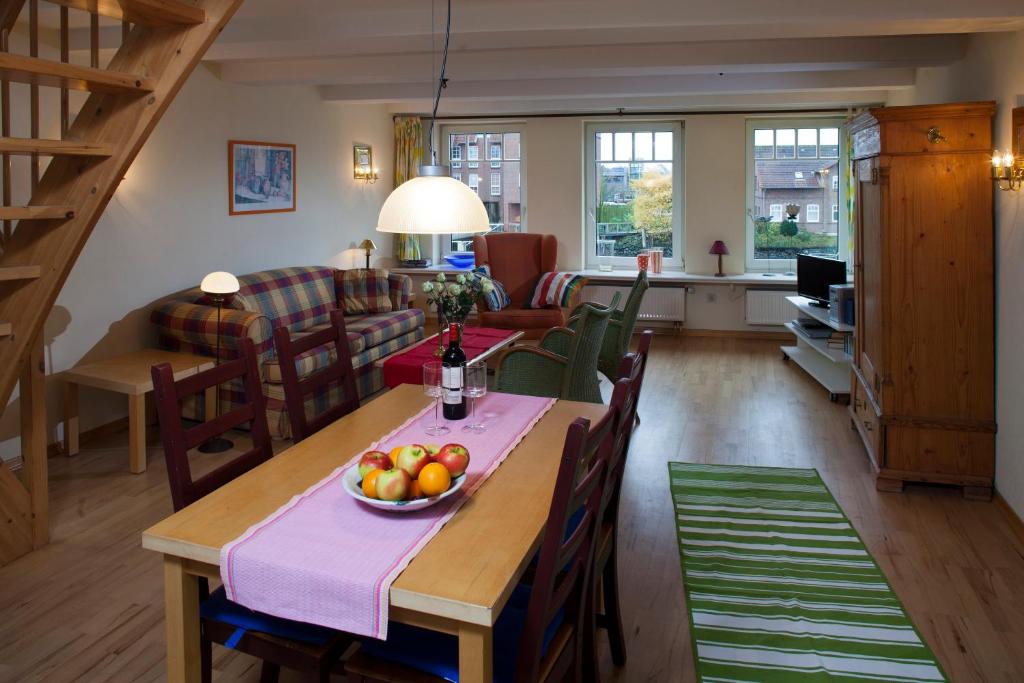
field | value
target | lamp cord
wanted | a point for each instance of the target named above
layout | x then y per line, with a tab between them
442	82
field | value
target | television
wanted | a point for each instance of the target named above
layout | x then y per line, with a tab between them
814	275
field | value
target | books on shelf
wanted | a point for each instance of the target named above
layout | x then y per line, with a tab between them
840	341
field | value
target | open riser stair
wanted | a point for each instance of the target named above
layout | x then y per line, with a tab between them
40	239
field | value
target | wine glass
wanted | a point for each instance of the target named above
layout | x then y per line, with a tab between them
475	387
432	387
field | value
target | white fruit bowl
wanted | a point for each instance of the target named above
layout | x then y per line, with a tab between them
351	482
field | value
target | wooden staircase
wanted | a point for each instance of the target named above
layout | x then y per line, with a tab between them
162	42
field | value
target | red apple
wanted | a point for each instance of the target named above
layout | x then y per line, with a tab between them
454	457
393	484
374	460
412	459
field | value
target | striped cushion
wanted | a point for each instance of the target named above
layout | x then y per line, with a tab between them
556	289
364	290
498	298
296	298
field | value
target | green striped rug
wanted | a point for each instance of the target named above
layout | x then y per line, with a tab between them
780	587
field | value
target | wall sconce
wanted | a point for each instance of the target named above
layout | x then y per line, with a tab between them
363	168
1007	172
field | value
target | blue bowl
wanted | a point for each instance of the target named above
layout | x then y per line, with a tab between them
460	259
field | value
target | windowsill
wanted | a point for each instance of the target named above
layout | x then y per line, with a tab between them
665	277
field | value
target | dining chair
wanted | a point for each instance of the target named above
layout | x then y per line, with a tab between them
322	386
605	581
571	375
278	642
539	635
620	327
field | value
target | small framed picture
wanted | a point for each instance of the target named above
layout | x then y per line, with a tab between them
1018	132
362	159
262	177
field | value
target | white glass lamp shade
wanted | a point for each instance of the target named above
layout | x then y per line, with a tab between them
219	282
433	205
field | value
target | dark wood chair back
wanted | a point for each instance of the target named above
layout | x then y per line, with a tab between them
178	440
566	555
339	376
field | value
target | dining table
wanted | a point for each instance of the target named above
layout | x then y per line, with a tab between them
457	584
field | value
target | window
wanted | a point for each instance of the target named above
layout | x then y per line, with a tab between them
634	190
798	162
504	194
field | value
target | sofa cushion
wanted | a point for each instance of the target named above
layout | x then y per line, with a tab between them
296	298
309	362
556	289
378	328
364	290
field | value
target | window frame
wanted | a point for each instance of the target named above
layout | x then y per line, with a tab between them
817	212
795	122
495	189
590	131
442	244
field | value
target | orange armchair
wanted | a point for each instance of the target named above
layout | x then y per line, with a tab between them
517	260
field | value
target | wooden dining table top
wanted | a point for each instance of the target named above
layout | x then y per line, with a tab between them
465	573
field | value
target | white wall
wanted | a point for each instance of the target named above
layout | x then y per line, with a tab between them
714	197
168	223
991	70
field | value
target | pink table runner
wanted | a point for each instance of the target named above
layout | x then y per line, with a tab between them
325	558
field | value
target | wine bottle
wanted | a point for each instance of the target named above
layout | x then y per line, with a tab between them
453	364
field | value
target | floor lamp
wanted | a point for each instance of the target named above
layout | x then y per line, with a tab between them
217	286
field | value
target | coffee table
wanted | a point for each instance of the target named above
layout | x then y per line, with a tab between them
482	354
127	374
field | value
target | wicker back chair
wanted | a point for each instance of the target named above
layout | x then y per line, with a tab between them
620	327
543	372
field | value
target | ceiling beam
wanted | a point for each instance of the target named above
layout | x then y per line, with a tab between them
648	86
592	61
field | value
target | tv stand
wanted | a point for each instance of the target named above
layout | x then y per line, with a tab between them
828	364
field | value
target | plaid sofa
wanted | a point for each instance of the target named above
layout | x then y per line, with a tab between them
300	299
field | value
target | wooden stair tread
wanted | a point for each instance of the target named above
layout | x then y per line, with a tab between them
32	70
54	147
28	213
8	273
6	329
145	12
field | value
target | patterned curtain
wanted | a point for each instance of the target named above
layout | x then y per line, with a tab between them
408	157
850	184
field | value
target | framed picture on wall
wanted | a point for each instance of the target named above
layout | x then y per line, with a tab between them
362	157
1018	132
261	177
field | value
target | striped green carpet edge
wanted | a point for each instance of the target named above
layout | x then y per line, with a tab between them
779	585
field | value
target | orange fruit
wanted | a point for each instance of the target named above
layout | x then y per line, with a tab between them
434	479
415	491
370	483
394	455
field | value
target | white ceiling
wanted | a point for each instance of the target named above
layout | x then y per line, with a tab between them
574	55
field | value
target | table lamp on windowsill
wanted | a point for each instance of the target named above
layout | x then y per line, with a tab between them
217	287
367	245
719	249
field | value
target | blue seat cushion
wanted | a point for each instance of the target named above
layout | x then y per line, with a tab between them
438	653
217	607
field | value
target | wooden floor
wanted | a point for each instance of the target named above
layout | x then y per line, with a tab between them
89	606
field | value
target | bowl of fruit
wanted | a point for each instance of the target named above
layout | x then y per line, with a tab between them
409	478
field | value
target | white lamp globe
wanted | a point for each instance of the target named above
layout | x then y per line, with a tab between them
433	204
219	282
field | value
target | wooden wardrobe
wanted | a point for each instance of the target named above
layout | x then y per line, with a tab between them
922	392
